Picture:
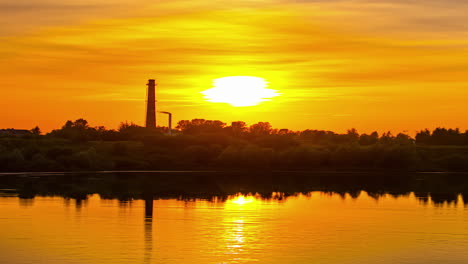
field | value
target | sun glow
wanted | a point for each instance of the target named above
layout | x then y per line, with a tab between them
240	91
241	200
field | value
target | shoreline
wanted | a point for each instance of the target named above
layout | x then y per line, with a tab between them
55	173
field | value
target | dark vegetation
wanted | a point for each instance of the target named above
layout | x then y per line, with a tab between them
210	144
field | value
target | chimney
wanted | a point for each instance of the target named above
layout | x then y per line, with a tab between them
151	104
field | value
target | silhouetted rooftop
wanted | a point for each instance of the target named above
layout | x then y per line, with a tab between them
12	131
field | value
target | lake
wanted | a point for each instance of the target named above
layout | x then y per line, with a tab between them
94	219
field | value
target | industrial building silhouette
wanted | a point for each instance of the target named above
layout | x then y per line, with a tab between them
151	108
151	104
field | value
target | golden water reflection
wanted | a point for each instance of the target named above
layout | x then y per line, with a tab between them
242	227
315	227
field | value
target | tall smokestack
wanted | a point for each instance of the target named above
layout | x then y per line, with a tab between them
151	105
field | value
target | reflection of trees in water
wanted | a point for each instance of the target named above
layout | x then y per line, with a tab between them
79	203
26	202
436	188
442	198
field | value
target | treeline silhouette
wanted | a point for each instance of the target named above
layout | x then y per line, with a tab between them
439	189
201	144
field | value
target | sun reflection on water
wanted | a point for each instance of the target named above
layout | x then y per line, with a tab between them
242	200
241	234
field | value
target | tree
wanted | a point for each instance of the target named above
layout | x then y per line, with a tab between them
284	132
403	139
353	135
128	131
36	130
371	139
197	126
423	137
81	123
238	128
76	131
441	136
318	137
261	128
68	124
387	138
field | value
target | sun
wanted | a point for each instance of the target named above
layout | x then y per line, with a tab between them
240	91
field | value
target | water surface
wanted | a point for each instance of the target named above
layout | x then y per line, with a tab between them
312	228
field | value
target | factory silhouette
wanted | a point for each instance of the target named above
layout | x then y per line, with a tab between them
151	104
151	107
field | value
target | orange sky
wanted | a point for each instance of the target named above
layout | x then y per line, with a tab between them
389	65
